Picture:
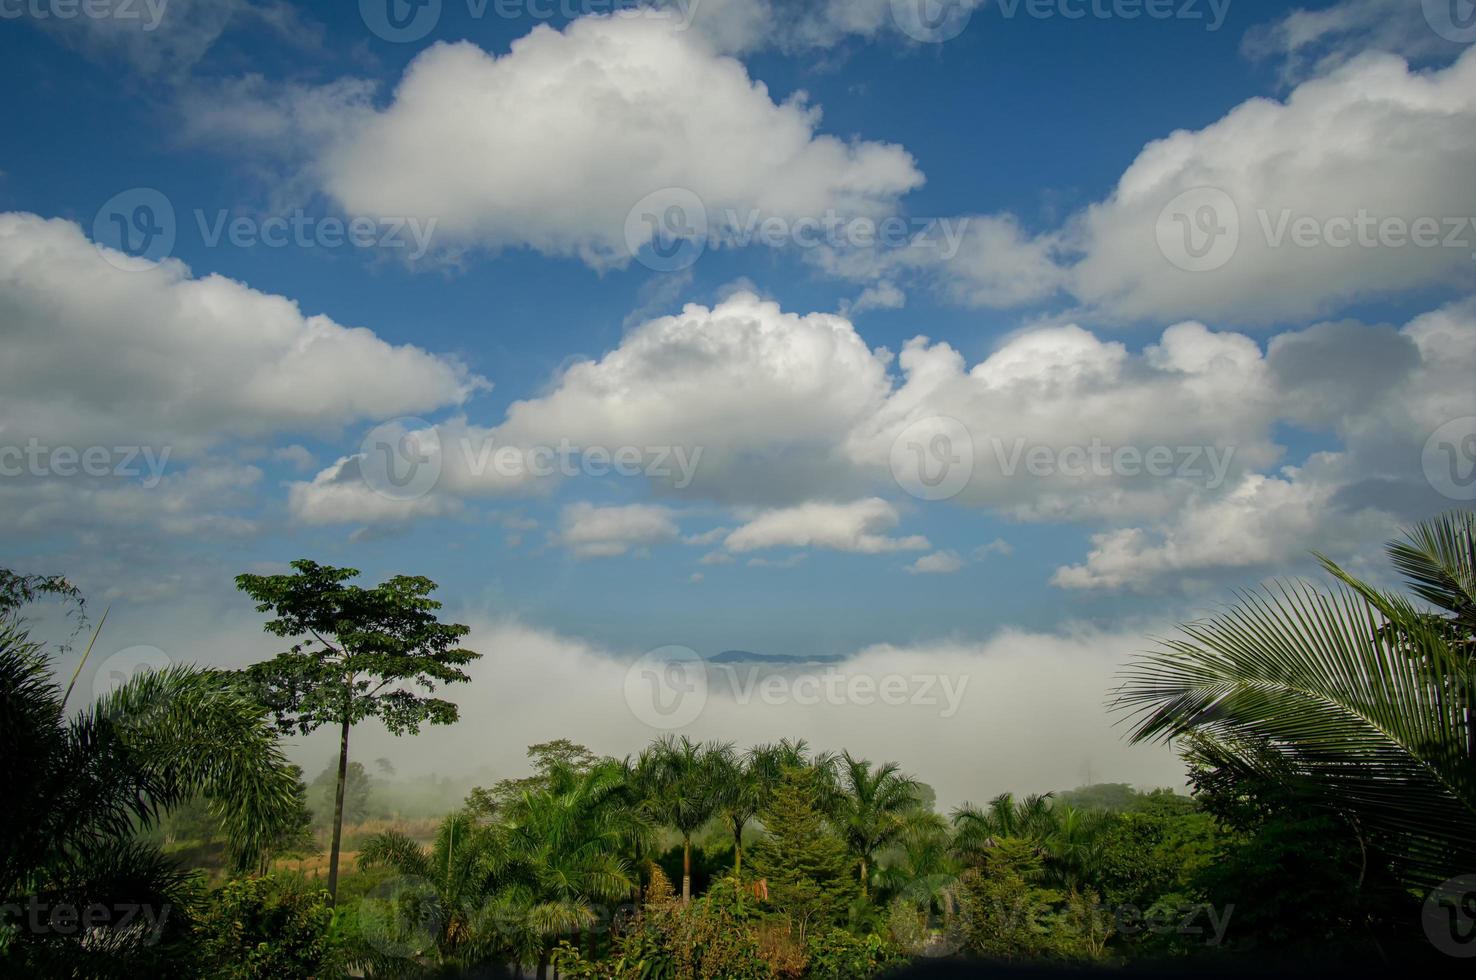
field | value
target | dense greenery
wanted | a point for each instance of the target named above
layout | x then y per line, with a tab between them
1328	740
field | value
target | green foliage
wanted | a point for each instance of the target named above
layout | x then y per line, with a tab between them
80	788
870	809
436	900
265	929
716	936
17	590
560	753
358	651
805	864
1144	856
1005	915
559	854
1355	699
835	954
1346	893
679	781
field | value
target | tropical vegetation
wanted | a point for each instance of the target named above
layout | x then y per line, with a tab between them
1327	734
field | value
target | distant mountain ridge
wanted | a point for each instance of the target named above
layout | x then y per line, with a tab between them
748	657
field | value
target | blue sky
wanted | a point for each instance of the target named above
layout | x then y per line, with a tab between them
1059	149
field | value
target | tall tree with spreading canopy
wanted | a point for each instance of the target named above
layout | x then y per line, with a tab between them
360	653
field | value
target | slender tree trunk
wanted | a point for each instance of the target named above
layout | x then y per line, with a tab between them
738	851
686	869
338	811
865	884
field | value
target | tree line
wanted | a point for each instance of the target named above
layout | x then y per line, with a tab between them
1328	737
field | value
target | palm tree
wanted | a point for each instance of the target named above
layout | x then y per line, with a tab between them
1074	845
80	788
437	902
920	867
560	853
869	808
977	830
1356	697
746	783
680	779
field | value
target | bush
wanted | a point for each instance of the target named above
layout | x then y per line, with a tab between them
271	927
835	954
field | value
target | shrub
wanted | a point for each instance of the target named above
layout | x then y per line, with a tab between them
269	927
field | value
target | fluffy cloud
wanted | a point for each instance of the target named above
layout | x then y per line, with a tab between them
1158	447
1280	210
740	402
1373	138
98	354
1384	392
855	527
607	532
553	144
938	563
